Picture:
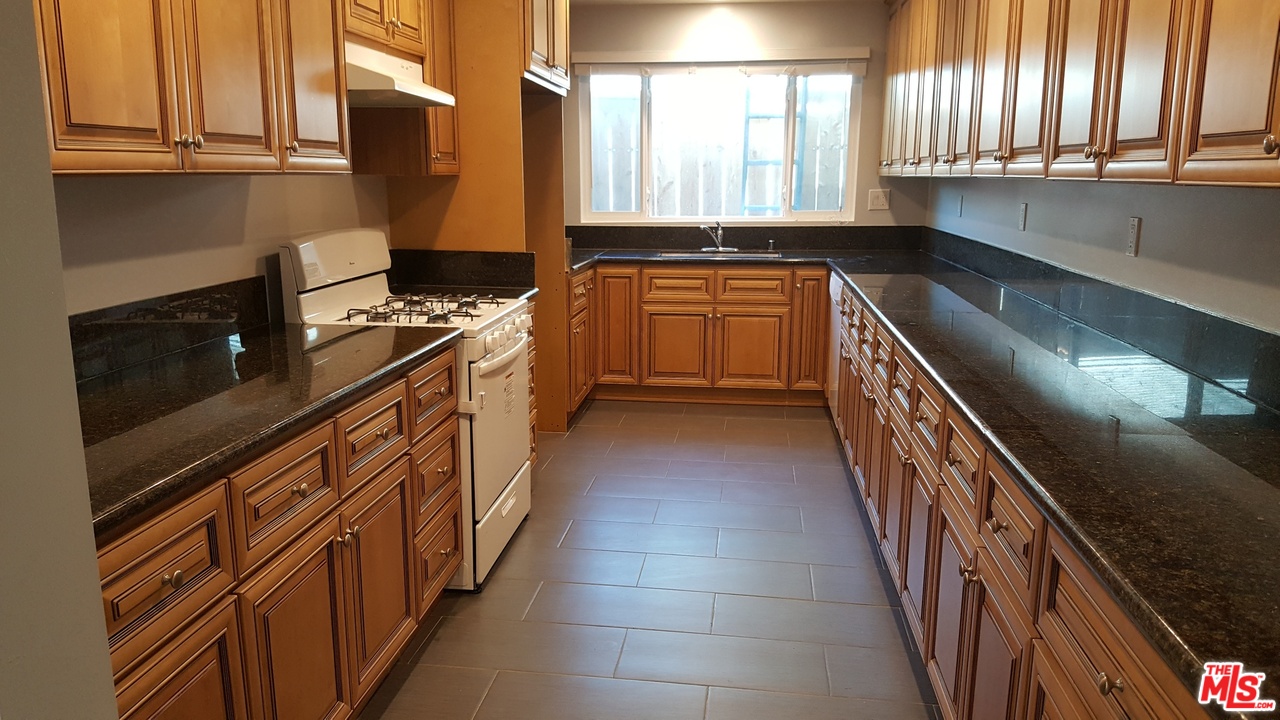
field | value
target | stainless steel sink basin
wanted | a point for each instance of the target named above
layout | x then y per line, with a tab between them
726	254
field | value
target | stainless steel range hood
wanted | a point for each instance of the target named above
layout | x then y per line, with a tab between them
377	79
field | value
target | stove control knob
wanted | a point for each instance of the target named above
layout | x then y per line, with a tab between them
491	342
500	337
525	322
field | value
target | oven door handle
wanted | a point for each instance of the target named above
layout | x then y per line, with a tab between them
487	367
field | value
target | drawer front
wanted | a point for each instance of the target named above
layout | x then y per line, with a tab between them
882	359
439	553
278	497
926	419
675	284
160	575
1013	530
753	285
435	473
902	382
371	435
533	368
866	337
432	394
579	291
962	462
1077	622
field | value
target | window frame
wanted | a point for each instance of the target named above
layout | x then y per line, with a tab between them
643	216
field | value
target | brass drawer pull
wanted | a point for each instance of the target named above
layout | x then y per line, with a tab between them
301	491
904	460
443	470
448	552
351	535
1106	685
970	574
1269	145
383	434
952	460
175	581
996	526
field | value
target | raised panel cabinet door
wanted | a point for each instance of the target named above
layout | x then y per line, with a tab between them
618	302
197	675
753	347
1050	696
930	34
1233	102
947	23
675	344
442	122
1029	92
294	622
580	356
1146	91
313	96
954	568
538	21
1080	86
809	332
1001	633
967	83
892	106
113	101
990	136
409	26
897	469
845	383
370	18
377	540
559	64
230	85
918	514
864	402
913	62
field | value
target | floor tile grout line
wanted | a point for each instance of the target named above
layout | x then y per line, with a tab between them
485	696
621	649
536	591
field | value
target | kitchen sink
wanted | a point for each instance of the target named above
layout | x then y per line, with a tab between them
720	255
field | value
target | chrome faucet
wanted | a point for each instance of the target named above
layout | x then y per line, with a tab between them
717	235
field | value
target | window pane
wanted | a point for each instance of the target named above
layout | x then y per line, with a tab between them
718	141
615	143
822	142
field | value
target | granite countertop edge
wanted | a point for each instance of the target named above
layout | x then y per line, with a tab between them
585	258
110	521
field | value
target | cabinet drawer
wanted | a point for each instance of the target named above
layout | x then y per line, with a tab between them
866	337
159	576
432	395
371	435
926	418
435	472
753	285
668	284
1013	530
850	310
962	462
1092	637
280	496
902	382
579	291
439	553
882	359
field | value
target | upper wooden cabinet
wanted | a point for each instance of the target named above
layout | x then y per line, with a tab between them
197	85
1233	107
401	24
1028	96
443	153
1080	88
546	51
989	110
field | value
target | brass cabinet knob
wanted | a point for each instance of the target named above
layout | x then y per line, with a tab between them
1106	685
996	526
395	23
904	460
198	141
1269	145
970	574
998	156
183	142
1089	152
436	157
301	491
294	146
174	581
443	470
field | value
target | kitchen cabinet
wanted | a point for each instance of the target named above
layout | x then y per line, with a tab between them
845	409
546	51
1001	632
810	328
919	517
1080	88
896	472
194	85
1232	115
912	57
893	147
438	554
618	303
443	143
869	419
676	342
1027	102
991	88
582	358
752	346
400	24
1050	695
953	566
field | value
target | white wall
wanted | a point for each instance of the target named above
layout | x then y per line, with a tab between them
128	238
53	641
768	28
1213	248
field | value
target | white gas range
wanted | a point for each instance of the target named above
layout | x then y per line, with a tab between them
339	279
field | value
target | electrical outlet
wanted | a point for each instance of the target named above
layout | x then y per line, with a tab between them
878	199
1135	232
960	207
1022	217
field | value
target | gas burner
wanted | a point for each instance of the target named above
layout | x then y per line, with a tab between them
374	313
474	302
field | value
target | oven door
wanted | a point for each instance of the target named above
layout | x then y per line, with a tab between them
499	408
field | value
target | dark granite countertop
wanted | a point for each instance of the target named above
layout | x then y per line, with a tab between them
156	430
1177	510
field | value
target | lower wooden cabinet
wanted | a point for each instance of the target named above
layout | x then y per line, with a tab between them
618	342
1050	695
953	566
438	553
676	342
809	331
199	675
1001	632
751	347
582	370
896	471
919	518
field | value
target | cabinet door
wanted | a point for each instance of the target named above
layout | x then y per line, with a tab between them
968	77
954	567
1233	109
559	64
891	137
1080	87
370	18
409	26
293	619
442	122
809	334
896	470
948	29
113	102
1029	92
846	390
538	19
913	60
918	514
618	302
313	94
1050	695
989	107
753	347
1145	92
381	609
229	57
675	345
1001	634
197	675
580	359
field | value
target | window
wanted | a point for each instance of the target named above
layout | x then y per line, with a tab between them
671	143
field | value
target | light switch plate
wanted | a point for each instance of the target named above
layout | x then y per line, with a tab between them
1135	232
878	199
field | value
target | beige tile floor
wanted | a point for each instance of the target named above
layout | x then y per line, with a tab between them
681	561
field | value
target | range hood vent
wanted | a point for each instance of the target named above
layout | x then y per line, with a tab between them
377	79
